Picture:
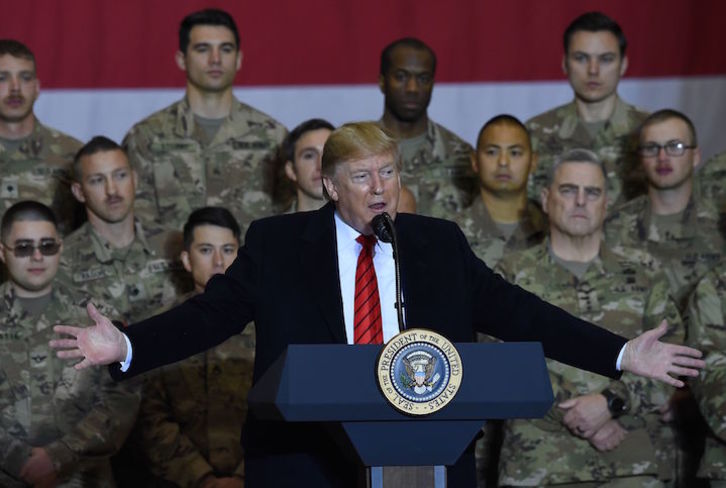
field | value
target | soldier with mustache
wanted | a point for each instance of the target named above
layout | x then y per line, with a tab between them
35	160
132	265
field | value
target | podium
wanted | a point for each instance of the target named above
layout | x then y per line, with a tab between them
337	383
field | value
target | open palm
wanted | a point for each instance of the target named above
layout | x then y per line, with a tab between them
99	344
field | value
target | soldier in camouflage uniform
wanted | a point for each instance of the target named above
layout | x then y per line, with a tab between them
711	181
502	219
707	332
597	119
671	223
35	160
431	155
113	256
209	148
193	411
601	432
58	425
503	161
298	182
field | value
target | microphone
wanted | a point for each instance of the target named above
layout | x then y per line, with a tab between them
385	231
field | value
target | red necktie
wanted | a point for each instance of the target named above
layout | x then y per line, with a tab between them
368	328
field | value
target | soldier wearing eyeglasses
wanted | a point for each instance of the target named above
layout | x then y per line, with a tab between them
670	222
58	425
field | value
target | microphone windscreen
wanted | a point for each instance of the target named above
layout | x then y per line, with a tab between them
380	227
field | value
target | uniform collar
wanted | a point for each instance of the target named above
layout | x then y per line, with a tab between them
103	251
618	122
184	124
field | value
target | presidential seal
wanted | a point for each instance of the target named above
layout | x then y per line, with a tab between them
419	371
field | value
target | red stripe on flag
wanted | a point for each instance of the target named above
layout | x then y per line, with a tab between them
93	44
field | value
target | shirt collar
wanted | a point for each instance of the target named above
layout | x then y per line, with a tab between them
347	236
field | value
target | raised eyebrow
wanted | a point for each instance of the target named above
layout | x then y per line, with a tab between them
568	185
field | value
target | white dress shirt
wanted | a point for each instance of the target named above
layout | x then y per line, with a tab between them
348	251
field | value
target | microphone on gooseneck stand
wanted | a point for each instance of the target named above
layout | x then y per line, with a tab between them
383	228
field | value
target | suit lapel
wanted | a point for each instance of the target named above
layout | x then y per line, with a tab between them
319	262
415	274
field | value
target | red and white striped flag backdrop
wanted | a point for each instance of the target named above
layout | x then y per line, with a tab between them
105	64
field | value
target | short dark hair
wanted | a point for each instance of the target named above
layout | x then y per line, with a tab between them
504	119
411	42
288	145
669	113
27	210
208	16
219	216
16	49
95	145
594	22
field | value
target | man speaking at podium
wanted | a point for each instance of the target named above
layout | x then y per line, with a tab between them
322	278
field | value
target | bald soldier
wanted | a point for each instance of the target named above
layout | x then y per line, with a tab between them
208	148
599	431
58	425
35	160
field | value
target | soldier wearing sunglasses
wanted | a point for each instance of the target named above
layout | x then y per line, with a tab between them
50	413
670	222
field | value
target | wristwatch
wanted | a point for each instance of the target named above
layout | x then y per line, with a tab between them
616	405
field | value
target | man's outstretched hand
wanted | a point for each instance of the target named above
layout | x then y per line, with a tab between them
98	344
647	356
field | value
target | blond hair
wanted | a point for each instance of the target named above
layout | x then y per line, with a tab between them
355	141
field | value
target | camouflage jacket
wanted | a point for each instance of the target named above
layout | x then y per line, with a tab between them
178	174
136	280
193	411
487	240
615	293
561	129
711	180
687	250
80	417
443	157
707	332
40	169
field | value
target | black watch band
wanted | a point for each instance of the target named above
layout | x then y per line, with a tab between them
616	405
